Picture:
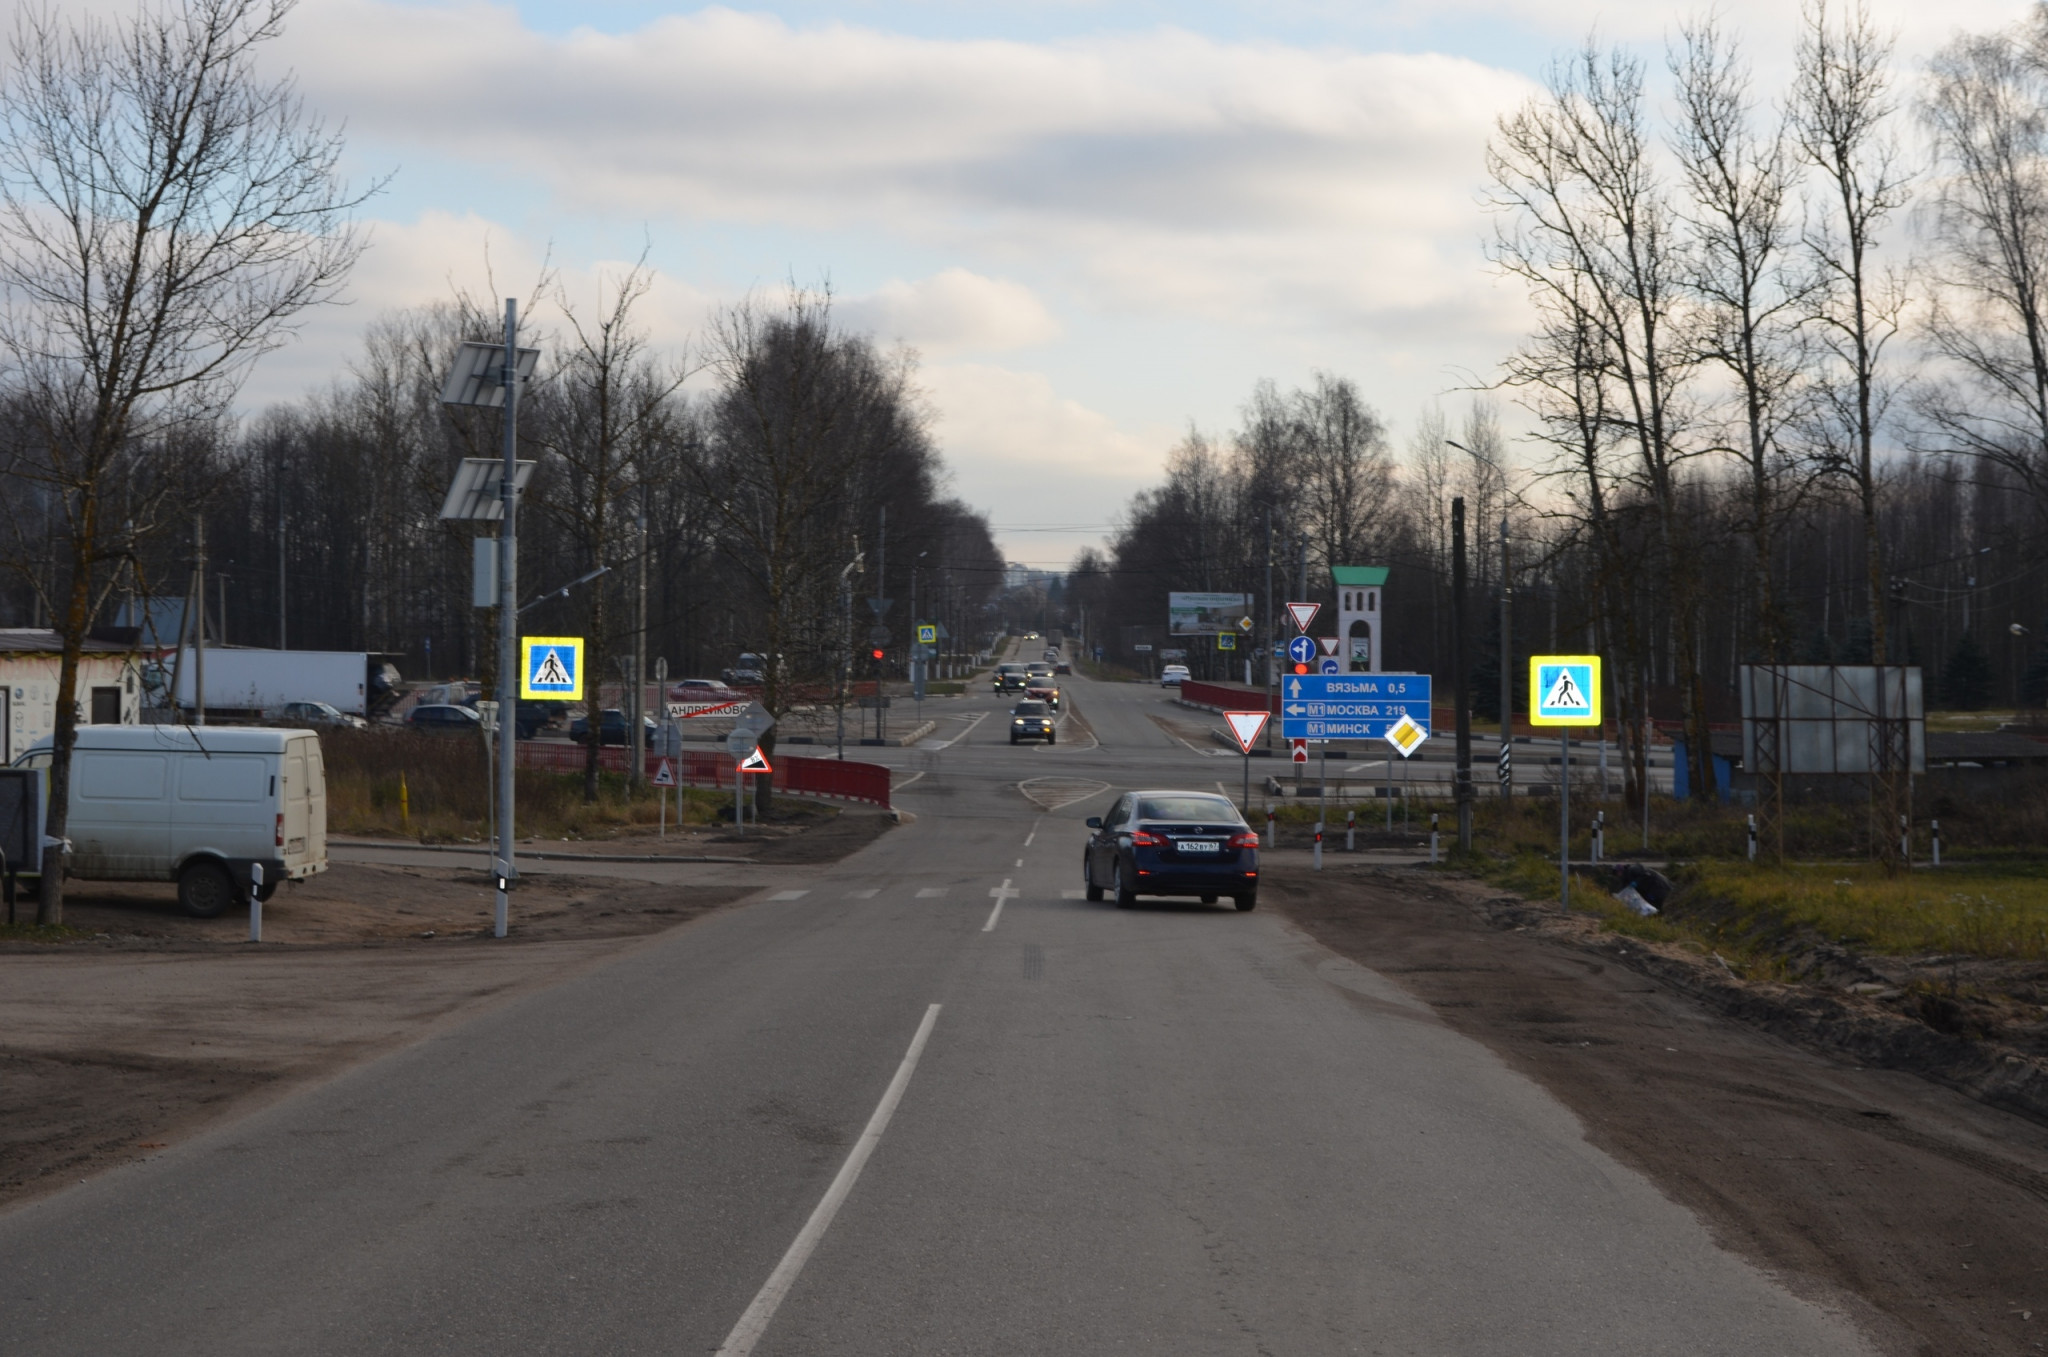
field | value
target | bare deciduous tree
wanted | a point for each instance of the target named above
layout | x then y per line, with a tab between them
1841	106
1987	105
164	214
1742	234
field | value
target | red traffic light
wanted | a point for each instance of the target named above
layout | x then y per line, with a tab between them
1301	669
876	653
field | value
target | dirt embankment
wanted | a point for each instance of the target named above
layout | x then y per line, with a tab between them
1922	1212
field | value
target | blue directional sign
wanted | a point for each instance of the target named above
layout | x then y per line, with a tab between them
1350	706
1330	666
1302	650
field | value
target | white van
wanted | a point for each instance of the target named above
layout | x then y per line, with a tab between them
197	806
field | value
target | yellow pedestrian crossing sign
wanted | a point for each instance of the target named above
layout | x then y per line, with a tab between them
551	667
1564	690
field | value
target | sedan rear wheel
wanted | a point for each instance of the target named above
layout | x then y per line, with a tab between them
1126	894
1088	886
1249	900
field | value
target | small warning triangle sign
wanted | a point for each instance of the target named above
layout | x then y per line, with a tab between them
1328	643
1303	614
549	672
755	762
1246	726
1565	694
664	774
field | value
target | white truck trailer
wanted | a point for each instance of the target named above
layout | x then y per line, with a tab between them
258	682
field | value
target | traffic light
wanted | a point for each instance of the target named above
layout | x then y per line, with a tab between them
876	652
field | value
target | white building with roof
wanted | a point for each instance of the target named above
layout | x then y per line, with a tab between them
109	686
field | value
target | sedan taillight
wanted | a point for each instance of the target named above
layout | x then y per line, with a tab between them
1247	839
1142	838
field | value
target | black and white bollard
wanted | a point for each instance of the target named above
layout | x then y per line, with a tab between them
1905	841
1319	846
1752	838
1272	828
1351	831
1432	836
1599	836
1934	839
255	902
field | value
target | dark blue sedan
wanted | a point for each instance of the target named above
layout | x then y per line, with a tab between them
1172	843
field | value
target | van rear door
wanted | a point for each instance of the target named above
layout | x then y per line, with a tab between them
304	807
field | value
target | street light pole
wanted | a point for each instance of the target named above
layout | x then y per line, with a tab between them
508	621
1507	671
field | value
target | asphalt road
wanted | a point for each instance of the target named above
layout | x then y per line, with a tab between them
1173	1130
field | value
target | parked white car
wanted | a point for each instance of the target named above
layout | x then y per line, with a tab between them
1171	676
198	806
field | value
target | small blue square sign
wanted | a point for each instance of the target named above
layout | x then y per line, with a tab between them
551	667
1564	690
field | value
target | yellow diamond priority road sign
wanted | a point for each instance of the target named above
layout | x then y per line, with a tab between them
1406	735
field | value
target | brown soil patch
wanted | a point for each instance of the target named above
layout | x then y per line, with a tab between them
153	1025
355	903
1921	1212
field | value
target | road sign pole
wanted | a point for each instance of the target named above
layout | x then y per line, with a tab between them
1247	782
1322	798
508	623
1564	819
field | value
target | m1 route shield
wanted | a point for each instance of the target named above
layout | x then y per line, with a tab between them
1351	706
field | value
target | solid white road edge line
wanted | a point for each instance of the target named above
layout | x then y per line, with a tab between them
754	1322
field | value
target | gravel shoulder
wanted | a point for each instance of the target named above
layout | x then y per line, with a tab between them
1920	1212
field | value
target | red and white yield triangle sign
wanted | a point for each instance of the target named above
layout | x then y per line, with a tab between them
1304	613
755	762
664	774
1246	725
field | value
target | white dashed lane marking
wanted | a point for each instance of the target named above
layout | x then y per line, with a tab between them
931	892
788	895
867	894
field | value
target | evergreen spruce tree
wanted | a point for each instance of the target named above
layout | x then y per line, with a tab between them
1966	680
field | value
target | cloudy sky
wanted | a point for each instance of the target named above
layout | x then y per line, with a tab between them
1097	221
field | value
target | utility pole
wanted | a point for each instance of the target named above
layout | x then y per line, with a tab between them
1461	680
637	776
199	629
1507	672
280	555
508	621
1272	670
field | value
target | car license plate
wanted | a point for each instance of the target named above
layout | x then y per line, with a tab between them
1200	846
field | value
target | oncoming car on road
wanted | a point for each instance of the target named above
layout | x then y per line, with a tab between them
1043	688
1010	678
1171	676
1032	721
1171	843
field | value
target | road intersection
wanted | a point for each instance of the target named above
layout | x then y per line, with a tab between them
923	1100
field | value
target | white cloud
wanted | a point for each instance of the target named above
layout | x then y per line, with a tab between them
1250	181
1052	473
952	311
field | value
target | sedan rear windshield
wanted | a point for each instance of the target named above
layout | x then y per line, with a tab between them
1028	709
1009	669
1189	808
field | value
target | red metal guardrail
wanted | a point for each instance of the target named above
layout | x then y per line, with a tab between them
868	782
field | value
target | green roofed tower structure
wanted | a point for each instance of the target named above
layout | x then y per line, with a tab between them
1359	588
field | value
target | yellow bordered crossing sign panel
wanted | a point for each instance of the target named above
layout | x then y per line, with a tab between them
551	667
1564	690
